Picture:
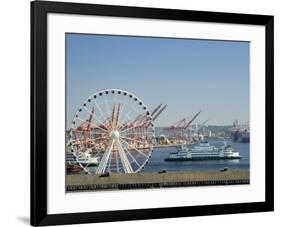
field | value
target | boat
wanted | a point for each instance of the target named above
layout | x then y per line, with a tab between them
241	136
88	160
203	151
85	159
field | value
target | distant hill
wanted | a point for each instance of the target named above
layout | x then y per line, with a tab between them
217	129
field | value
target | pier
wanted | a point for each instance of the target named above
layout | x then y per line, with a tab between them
154	180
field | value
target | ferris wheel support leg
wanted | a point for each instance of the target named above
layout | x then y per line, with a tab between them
102	166
124	159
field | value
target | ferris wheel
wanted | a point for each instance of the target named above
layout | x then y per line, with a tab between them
112	131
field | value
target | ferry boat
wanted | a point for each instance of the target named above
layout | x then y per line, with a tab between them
88	160
85	160
203	151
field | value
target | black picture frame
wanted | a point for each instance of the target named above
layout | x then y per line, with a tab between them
38	195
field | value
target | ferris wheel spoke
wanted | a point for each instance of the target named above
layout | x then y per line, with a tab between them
79	155
95	145
117	162
132	107
124	159
131	121
87	141
136	133
94	116
122	125
121	114
97	152
86	166
105	130
109	162
97	138
122	119
75	143
83	167
94	139
101	139
102	165
132	157
125	130
81	131
146	156
106	106
115	115
138	141
100	111
119	103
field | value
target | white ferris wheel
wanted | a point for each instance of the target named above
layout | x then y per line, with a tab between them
112	131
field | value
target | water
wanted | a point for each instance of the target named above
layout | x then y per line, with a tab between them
157	163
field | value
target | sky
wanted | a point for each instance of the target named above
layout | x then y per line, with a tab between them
187	75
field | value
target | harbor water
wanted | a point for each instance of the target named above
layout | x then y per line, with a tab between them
156	162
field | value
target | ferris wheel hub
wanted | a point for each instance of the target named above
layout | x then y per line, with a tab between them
114	134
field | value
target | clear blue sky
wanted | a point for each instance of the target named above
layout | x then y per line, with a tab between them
187	75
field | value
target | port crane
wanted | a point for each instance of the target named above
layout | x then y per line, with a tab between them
178	131
155	114
144	120
195	129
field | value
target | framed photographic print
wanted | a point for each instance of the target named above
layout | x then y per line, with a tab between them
144	113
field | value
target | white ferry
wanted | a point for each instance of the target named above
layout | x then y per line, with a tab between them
203	151
85	159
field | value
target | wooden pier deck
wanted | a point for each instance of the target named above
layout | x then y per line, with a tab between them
154	180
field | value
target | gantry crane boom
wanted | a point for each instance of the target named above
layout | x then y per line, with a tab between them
158	113
156	109
117	115
112	116
90	120
189	123
155	115
178	123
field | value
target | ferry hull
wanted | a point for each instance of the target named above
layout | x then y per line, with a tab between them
200	159
90	164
